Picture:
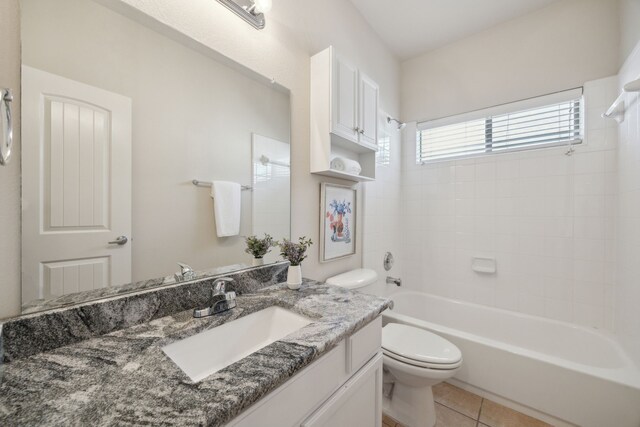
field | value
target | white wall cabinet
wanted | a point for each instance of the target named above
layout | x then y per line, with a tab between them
342	388
344	116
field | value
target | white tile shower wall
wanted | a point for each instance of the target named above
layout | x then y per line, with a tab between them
546	218
627	296
382	210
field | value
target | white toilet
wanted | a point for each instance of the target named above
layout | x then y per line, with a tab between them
414	361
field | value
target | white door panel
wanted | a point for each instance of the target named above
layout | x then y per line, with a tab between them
368	122
356	404
345	101
76	168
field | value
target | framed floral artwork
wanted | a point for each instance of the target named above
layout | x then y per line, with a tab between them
338	221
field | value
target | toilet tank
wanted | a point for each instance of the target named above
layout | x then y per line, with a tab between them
354	279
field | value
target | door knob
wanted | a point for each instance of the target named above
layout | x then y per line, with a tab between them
120	240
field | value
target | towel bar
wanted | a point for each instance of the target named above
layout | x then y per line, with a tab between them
613	111
209	184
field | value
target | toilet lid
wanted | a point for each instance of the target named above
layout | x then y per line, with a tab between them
419	345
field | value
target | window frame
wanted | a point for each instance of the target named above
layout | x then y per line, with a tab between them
574	96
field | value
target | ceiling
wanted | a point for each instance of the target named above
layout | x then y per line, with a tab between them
411	27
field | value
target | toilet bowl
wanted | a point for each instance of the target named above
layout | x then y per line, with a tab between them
414	361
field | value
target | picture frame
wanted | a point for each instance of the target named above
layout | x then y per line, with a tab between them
338	221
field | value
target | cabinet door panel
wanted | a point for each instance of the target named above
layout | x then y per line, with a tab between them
345	101
368	120
364	344
291	402
357	404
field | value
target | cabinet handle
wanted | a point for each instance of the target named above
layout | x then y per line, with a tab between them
361	131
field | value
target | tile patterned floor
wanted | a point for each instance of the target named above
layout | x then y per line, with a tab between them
456	407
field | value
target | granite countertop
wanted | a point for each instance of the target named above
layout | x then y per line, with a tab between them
124	378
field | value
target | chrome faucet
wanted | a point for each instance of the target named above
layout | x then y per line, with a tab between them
395	280
220	299
185	273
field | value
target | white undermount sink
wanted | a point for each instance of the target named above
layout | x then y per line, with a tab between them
210	351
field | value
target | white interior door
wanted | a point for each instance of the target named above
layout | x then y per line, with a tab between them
76	186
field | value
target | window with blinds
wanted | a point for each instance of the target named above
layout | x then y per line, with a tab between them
533	123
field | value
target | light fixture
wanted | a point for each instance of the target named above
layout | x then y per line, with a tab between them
252	11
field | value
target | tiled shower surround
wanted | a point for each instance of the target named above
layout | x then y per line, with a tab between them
547	219
383	208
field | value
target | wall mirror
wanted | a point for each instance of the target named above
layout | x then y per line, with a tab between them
118	120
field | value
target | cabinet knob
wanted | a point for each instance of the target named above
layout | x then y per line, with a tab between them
361	131
357	129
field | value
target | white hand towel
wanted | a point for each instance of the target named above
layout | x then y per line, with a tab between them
226	207
346	165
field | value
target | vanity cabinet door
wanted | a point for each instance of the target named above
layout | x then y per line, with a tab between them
368	119
356	404
344	100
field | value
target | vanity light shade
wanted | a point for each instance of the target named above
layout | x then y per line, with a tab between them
262	6
250	11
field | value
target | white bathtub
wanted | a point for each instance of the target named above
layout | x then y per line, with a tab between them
572	373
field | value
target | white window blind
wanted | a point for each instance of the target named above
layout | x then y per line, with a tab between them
533	123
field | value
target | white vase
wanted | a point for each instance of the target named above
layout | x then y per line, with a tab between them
294	277
257	262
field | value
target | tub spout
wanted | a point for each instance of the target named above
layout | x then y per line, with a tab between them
395	280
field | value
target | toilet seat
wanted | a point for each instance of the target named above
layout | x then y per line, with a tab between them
424	365
420	348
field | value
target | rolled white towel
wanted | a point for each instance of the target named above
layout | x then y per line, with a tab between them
343	164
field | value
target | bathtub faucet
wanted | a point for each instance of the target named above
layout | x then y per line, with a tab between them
395	280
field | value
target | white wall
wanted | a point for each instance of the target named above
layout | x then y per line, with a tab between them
207	113
629	27
295	30
10	175
627	296
555	48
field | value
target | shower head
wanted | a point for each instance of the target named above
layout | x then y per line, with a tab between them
401	125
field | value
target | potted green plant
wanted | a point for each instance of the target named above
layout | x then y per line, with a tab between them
295	253
259	247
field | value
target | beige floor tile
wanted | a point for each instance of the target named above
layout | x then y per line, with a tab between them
458	399
446	417
496	415
388	421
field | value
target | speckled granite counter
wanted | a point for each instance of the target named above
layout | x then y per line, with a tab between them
124	378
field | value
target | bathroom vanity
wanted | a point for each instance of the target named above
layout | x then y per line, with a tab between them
328	372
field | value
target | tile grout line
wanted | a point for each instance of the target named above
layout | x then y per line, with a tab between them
480	411
458	412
